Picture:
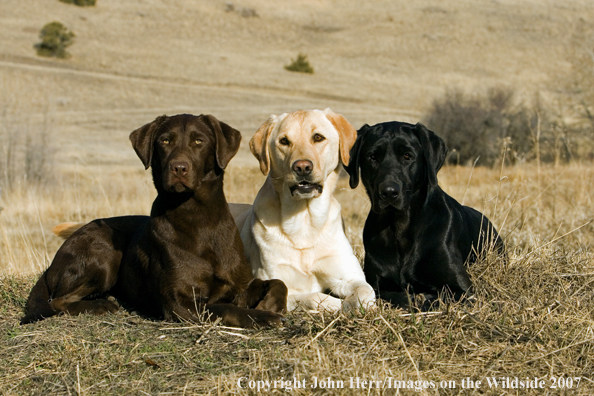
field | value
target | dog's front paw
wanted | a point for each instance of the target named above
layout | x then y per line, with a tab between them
363	298
265	319
275	299
105	306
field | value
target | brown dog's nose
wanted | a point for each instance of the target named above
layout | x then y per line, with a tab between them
302	167
179	168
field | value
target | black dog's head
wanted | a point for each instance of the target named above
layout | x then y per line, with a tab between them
183	149
396	160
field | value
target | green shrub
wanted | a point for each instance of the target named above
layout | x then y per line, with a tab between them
55	37
81	3
300	65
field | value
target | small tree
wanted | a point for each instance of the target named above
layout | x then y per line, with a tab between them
300	65
55	37
80	3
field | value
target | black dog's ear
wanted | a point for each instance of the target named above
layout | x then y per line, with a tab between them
227	139
353	167
143	140
435	151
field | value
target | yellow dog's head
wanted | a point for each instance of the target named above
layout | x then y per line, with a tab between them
301	149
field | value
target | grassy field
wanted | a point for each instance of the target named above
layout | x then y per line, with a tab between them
65	156
533	317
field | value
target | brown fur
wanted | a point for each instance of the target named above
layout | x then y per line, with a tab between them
184	261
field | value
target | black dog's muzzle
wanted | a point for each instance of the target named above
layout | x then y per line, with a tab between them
390	194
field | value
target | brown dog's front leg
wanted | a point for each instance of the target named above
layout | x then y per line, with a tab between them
230	314
233	315
265	295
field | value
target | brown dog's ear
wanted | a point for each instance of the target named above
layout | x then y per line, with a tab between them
346	132
227	140
435	151
259	143
353	167
143	139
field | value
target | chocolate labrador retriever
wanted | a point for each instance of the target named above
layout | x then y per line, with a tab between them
417	238
185	261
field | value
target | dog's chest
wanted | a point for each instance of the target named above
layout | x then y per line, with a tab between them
293	255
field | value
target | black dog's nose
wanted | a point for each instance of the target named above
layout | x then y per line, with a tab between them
179	168
389	192
302	167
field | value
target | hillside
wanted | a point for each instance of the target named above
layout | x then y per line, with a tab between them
374	61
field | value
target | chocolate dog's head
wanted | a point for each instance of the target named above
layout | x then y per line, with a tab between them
396	160
183	150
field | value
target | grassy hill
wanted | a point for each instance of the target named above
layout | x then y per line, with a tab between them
65	156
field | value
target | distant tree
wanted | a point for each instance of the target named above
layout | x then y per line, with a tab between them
300	65
55	37
80	3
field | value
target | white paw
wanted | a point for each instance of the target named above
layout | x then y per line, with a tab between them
364	297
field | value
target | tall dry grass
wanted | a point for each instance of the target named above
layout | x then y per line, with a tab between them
532	316
530	206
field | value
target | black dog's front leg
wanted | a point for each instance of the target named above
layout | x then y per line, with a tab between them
421	301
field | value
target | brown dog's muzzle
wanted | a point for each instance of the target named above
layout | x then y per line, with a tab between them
179	168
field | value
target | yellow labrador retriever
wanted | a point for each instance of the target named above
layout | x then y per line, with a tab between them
293	231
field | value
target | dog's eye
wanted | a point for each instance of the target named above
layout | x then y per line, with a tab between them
284	141
165	141
198	142
318	138
372	157
408	156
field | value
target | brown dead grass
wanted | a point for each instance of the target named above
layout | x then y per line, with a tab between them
532	317
375	61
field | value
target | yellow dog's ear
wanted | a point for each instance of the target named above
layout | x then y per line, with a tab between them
346	132
259	143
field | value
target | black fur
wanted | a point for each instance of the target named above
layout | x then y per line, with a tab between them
417	238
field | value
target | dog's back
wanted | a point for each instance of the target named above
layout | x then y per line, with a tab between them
93	251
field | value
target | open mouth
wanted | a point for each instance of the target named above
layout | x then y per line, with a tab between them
306	188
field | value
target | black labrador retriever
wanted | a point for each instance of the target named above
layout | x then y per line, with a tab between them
185	260
417	238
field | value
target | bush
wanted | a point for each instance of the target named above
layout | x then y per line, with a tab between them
80	3
579	86
300	65
483	125
55	37
26	156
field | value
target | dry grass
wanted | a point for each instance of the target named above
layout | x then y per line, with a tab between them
375	61
533	317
